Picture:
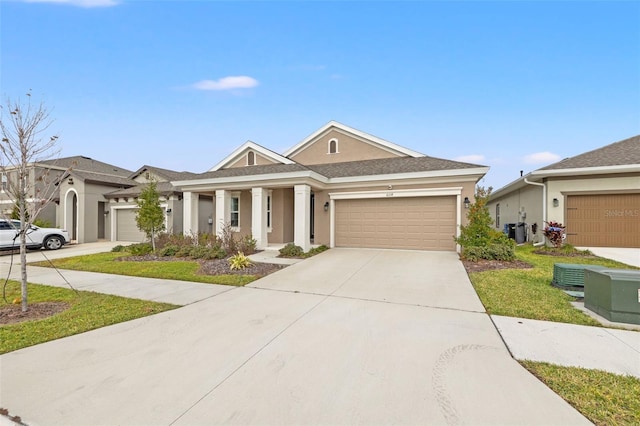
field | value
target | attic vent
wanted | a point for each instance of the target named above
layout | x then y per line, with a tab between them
567	275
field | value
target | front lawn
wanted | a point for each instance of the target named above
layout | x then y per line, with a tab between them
183	270
84	311
604	398
527	293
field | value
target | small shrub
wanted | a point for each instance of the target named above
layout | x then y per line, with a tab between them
200	252
247	244
239	261
118	249
168	250
228	242
316	250
140	249
504	251
184	251
291	250
43	223
554	231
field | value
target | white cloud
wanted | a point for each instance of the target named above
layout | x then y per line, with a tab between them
80	3
227	83
544	157
473	158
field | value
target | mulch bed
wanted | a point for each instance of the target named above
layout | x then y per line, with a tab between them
213	266
12	314
490	265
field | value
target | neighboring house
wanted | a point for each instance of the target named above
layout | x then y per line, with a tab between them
83	208
596	195
122	204
340	187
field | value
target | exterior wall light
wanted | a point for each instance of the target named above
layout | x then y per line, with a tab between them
556	202
168	211
466	202
326	206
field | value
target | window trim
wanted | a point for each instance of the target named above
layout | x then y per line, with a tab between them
335	142
233	195
498	215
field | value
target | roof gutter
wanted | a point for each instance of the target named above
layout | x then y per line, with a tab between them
544	207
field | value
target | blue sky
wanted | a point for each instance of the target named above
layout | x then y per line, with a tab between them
180	84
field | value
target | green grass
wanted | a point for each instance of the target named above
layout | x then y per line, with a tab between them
183	270
604	398
87	311
527	293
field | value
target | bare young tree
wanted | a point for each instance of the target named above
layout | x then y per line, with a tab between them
23	145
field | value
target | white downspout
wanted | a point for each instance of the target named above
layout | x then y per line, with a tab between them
544	208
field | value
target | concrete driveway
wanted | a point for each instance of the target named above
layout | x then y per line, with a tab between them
346	337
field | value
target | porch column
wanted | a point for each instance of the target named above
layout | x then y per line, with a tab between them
259	217
302	216
222	203
190	213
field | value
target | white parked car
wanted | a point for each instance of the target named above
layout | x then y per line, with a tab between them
49	238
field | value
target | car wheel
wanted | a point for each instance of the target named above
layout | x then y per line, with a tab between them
53	243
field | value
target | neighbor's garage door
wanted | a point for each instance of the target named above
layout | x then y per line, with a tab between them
420	223
611	220
126	228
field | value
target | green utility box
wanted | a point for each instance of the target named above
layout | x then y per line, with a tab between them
570	275
613	294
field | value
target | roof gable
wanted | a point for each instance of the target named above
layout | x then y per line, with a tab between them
371	147
159	174
233	158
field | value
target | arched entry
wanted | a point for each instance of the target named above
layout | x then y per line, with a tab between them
71	213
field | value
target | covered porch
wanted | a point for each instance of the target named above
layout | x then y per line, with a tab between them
273	215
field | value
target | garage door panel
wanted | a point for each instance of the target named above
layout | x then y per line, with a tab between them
603	220
425	223
126	227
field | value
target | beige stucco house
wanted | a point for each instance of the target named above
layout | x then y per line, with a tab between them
596	195
340	187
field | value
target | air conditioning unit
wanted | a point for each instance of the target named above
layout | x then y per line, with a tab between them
569	275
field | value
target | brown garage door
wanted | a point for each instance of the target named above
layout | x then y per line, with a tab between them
420	223
611	220
126	227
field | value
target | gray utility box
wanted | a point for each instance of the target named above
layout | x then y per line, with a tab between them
613	294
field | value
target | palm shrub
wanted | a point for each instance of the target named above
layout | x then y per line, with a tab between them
239	261
478	239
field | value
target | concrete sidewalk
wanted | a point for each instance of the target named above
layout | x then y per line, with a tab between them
570	345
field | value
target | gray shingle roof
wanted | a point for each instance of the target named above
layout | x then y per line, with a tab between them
103	179
625	152
164	173
388	166
163	188
347	169
81	163
252	171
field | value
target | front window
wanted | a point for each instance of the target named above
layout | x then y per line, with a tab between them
4	182
269	211
235	211
498	215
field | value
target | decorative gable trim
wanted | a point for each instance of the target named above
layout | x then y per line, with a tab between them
365	137
243	149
